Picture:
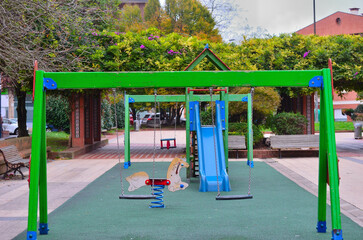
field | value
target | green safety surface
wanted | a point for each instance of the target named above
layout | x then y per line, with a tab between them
280	209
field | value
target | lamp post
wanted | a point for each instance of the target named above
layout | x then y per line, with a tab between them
314	17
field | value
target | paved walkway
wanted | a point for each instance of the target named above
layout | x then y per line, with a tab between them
67	177
142	146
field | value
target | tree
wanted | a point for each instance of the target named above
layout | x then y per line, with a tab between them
152	13
265	103
130	19
192	18
47	31
223	11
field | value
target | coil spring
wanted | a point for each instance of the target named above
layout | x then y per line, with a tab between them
158	192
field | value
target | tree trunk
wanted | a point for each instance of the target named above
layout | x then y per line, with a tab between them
22	131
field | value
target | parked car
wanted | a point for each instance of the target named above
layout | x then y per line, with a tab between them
154	120
10	125
148	117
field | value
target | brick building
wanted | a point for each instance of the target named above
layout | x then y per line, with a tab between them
336	24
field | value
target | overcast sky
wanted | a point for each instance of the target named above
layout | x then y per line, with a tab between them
285	16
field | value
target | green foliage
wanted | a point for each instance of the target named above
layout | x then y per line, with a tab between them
338	126
57	141
108	114
190	17
241	129
113	51
206	117
57	111
120	108
288	123
359	109
152	11
348	112
265	102
130	18
358	113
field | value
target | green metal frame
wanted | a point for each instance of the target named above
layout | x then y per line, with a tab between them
92	80
187	98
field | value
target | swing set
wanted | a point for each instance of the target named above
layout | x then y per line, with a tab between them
206	164
46	81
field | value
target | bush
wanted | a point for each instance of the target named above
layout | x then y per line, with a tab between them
348	112
108	114
206	117
288	123
359	109
57	111
241	129
357	115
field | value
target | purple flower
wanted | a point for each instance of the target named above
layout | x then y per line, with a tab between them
151	35
156	36
115	44
355	74
150	38
142	46
117	33
306	54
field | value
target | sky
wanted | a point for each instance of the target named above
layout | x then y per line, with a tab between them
283	16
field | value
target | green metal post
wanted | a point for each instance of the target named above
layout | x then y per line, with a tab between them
224	97
332	155
250	131
127	132
321	225
36	155
187	132
43	204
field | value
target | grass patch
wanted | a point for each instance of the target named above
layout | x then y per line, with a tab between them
339	126
58	141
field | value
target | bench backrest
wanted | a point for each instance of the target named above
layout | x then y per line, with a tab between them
11	154
236	142
294	141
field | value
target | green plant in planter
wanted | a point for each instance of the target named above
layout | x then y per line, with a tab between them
288	123
241	129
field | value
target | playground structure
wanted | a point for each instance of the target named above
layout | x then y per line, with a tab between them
191	98
185	79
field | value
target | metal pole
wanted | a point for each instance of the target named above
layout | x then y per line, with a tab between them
1	119
314	17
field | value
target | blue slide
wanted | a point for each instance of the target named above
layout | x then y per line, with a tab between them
210	147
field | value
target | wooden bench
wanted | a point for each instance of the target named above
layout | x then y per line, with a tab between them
13	160
236	142
294	142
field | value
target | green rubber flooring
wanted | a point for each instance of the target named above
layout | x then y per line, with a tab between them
280	209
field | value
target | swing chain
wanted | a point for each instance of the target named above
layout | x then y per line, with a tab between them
154	152
214	139
118	144
176	113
